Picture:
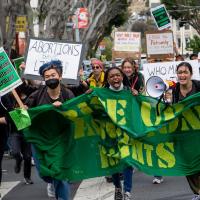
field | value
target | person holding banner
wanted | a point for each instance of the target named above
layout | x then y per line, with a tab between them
20	148
52	93
184	88
116	81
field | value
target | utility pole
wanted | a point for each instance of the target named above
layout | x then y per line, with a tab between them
77	33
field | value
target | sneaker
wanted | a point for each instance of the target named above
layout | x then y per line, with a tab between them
50	190
18	165
118	194
157	180
32	162
197	197
28	181
127	196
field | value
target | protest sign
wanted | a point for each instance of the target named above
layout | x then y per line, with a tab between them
21	23
160	44
167	70
161	17
9	79
127	44
127	41
17	63
40	51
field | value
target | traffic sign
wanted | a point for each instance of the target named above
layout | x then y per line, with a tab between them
161	17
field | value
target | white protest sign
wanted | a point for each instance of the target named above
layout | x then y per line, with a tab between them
127	41
159	43
167	70
41	51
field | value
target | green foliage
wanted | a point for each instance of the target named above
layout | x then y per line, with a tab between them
185	10
194	44
182	9
118	20
108	49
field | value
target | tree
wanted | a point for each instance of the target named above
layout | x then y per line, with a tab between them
187	11
194	44
9	10
103	15
53	15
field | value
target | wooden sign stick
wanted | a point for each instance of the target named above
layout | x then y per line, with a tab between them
19	101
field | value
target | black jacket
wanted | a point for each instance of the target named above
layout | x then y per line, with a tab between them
176	91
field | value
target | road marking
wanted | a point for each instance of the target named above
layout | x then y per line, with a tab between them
7	187
95	189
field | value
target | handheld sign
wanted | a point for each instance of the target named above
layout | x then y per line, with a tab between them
167	70
9	78
127	44
160	44
41	51
161	17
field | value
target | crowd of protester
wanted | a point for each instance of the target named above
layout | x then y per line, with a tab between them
52	91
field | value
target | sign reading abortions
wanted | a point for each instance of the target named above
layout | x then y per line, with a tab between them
167	70
160	43
9	78
41	51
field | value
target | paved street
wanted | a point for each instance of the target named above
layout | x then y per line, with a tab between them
173	188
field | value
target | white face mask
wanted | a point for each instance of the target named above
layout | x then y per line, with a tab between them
117	90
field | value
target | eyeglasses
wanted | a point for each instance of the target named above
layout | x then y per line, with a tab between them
95	67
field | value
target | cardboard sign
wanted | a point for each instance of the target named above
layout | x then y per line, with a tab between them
9	78
127	41
160	44
40	51
125	54
167	70
161	17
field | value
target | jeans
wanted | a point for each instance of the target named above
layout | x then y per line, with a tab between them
61	187
128	174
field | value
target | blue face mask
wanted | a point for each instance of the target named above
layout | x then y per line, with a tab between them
52	83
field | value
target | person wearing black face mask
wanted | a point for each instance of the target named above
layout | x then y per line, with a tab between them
52	83
52	93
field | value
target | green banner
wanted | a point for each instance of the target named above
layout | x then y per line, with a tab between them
100	133
9	79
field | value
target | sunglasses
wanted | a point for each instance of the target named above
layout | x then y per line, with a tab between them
95	67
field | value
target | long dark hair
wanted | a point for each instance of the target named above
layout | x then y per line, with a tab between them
185	64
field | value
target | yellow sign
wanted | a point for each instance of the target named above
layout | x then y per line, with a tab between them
20	24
